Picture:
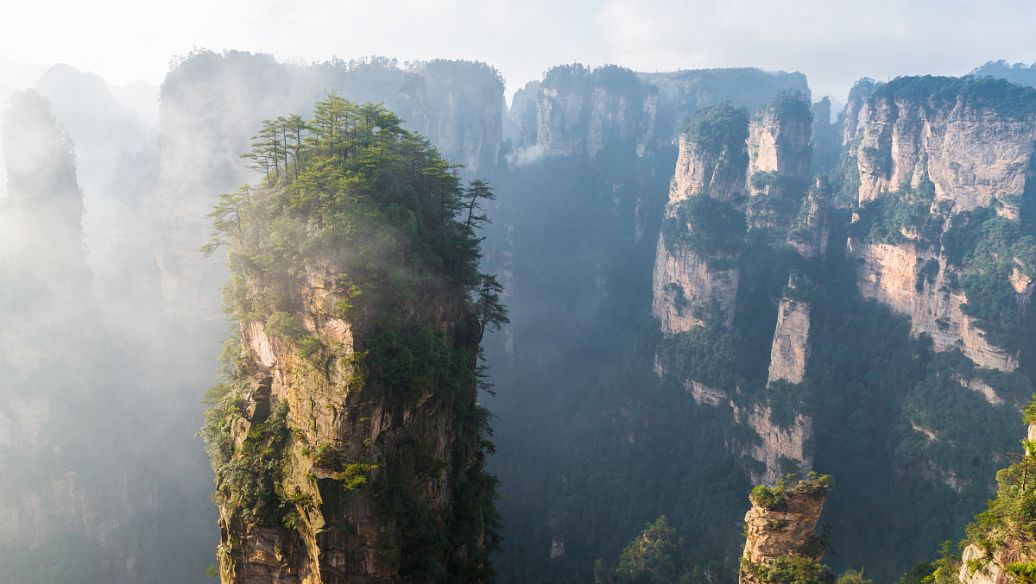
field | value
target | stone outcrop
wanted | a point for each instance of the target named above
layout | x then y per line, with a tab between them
781	524
889	274
790	348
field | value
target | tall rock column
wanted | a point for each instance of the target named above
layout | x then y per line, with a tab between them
695	264
791	345
347	439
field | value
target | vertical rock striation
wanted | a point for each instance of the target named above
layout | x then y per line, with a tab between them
790	348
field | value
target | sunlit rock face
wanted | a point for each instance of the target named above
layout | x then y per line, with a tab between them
973	153
790	342
710	171
888	274
959	147
779	142
783	529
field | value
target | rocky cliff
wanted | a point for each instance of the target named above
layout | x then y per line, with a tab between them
343	442
738	178
347	440
961	135
780	532
579	110
779	139
934	156
889	273
582	111
791	343
682	93
696	261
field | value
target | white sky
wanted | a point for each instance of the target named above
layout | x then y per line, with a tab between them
834	42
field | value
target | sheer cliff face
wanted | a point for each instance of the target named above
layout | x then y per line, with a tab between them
699	265
960	147
889	274
685	285
973	154
583	111
790	342
460	108
780	144
577	110
720	174
341	531
693	273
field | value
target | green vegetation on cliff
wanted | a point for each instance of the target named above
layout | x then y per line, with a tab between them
353	204
720	131
790	570
1007	528
711	228
1001	96
655	556
989	249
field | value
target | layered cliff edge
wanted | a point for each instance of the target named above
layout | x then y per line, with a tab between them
347	439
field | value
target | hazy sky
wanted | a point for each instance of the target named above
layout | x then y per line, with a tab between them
834	42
